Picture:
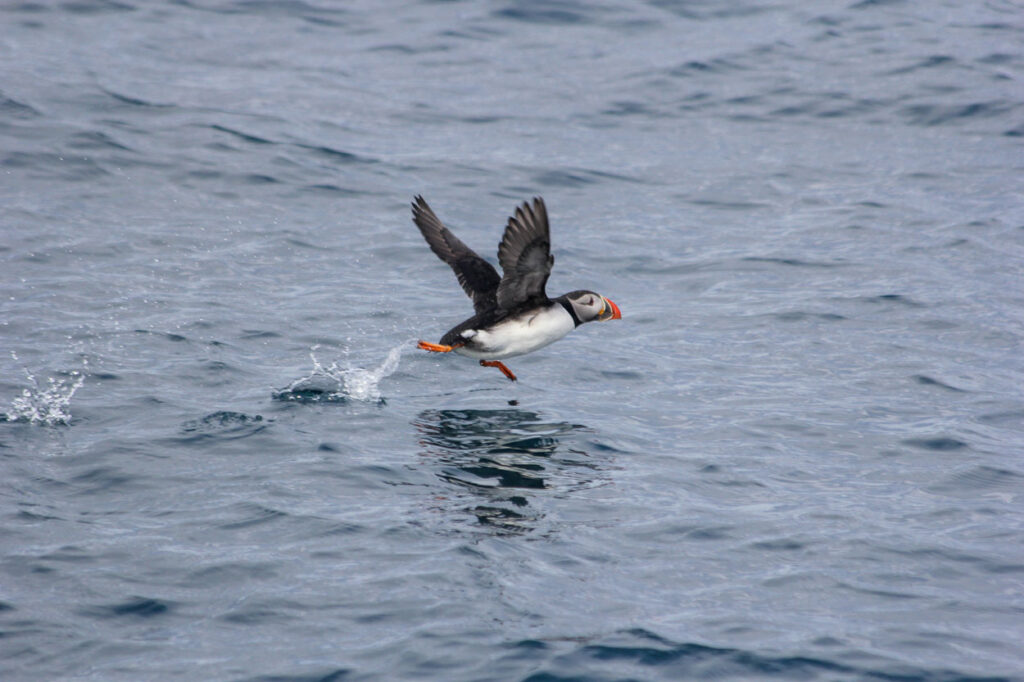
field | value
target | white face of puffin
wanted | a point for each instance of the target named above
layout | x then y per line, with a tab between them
590	306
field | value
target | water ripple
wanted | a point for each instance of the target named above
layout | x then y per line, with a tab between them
137	607
797	457
221	426
661	658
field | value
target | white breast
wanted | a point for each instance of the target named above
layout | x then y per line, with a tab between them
520	335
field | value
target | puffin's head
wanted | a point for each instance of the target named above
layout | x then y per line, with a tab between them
590	306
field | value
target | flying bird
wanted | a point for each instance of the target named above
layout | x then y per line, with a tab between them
512	314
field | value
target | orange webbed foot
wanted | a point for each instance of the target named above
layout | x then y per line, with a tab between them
437	347
504	370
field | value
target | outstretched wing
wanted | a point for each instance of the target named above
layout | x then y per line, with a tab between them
525	256
478	278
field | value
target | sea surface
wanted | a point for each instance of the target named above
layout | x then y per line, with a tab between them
799	455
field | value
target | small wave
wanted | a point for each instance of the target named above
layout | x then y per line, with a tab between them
45	404
334	383
938	114
551	13
241	135
975	479
939	443
795	262
927	63
12	108
714	66
929	381
136	607
663	658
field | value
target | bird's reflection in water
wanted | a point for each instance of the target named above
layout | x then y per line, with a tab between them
501	459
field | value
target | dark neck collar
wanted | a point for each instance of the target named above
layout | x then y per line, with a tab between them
569	309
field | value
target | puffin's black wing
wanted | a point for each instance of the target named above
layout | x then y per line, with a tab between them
478	278
525	256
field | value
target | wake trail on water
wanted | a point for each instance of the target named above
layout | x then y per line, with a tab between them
341	383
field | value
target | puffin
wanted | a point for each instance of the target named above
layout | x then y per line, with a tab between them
511	314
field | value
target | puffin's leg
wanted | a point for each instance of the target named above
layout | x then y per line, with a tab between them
504	370
437	347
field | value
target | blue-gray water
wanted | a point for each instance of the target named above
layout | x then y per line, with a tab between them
797	456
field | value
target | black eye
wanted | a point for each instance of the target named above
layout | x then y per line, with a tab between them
590	300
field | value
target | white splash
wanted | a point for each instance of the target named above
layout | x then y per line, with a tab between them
364	384
336	382
46	404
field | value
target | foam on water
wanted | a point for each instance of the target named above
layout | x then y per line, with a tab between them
45	404
336	382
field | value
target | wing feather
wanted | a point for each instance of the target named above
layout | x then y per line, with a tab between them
525	256
477	277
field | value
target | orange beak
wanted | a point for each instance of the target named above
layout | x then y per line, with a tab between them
611	311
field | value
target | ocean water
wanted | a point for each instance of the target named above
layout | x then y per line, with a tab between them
798	456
